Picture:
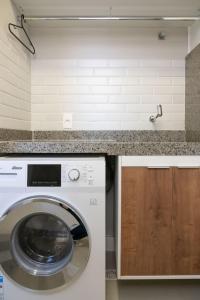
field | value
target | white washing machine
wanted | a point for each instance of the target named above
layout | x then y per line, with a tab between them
52	228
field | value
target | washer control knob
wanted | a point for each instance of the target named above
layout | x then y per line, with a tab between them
74	174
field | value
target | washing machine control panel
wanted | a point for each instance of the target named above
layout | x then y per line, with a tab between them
81	174
52	173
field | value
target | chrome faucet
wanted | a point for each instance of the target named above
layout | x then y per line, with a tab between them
159	114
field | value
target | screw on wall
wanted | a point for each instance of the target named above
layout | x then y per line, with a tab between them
162	36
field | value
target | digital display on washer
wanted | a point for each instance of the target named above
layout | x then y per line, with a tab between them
44	175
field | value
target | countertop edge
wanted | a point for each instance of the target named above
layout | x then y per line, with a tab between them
109	148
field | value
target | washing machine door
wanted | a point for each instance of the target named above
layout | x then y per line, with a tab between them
44	243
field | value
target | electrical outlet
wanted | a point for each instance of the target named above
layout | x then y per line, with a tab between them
67	121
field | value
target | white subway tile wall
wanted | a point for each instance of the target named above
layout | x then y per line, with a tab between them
108	75
108	94
15	97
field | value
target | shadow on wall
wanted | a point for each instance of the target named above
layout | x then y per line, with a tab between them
192	101
153	290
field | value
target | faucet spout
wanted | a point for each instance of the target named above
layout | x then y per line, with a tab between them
159	114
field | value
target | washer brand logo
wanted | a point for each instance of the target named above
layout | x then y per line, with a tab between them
93	202
16	168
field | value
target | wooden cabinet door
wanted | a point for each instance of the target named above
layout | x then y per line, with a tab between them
146	221
186	221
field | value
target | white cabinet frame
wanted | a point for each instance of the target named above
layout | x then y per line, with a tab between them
149	162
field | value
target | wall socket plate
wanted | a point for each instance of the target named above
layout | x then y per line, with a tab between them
67	121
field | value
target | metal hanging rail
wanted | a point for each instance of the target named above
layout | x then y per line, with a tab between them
111	18
31	47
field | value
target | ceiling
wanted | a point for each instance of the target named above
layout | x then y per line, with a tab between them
103	7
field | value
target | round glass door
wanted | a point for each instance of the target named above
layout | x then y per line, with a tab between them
44	243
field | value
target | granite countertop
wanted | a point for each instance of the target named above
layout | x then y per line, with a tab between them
97	142
110	147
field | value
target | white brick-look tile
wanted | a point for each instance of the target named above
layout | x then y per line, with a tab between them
155	99
124	99
108	78
156	63
107	94
15	97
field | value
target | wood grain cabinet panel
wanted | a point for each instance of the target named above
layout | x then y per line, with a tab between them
146	221
160	221
186	221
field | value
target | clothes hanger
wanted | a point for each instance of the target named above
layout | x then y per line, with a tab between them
10	26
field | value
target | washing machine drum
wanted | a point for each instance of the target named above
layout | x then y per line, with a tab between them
44	243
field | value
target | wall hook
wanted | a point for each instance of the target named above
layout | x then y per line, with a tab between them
13	26
159	114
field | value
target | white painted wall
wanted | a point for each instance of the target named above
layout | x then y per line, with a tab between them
108	77
193	36
102	8
14	75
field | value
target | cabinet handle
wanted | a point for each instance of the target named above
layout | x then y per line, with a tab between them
188	167
158	167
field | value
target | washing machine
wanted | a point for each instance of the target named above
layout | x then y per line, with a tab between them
52	228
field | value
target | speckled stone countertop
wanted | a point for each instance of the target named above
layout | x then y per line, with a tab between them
99	147
97	142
